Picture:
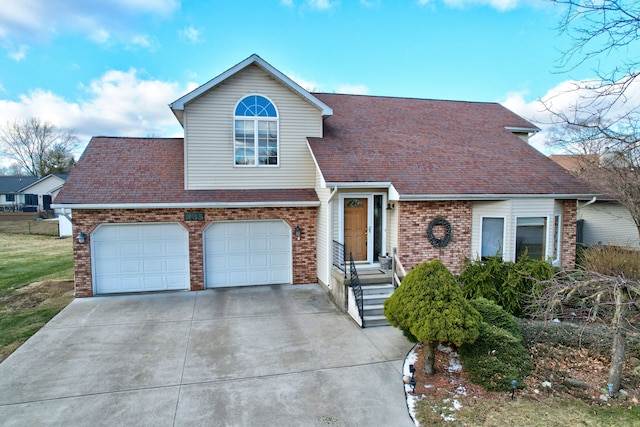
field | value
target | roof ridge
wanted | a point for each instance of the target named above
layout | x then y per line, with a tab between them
407	98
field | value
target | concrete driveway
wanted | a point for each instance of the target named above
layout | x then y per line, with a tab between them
259	356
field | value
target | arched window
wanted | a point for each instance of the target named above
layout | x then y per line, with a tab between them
255	132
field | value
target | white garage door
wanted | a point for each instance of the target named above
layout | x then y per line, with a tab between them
140	257
246	253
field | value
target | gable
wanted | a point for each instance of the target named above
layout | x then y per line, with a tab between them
209	135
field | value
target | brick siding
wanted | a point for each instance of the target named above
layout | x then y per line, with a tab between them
304	250
568	250
414	246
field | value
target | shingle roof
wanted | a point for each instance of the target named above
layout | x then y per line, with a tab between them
430	147
13	184
150	170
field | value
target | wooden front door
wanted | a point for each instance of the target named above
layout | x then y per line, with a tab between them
356	213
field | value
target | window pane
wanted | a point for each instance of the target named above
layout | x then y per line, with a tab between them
244	142
267	143
254	105
492	233
530	237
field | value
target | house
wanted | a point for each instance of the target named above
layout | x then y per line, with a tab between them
29	193
269	179
603	220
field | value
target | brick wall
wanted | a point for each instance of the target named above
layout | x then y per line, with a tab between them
414	246
569	217
304	250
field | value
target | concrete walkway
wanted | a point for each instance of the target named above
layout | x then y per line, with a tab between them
259	356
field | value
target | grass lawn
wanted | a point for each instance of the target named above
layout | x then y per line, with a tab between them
24	260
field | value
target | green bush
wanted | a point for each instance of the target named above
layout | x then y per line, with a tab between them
507	284
429	306
495	315
495	359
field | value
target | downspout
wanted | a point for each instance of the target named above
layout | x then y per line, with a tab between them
330	232
588	203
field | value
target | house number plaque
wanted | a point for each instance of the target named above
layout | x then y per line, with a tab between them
194	216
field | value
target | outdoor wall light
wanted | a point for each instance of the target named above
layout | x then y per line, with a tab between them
390	206
82	238
298	231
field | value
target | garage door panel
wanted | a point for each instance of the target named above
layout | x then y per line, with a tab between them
259	260
247	253
140	257
258	244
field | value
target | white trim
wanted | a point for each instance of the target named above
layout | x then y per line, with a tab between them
179	104
359	184
186	205
522	129
323	183
370	220
504	233
489	197
557	259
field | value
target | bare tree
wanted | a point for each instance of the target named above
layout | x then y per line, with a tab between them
37	146
593	297
603	122
598	28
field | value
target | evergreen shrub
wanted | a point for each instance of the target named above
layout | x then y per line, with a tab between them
506	283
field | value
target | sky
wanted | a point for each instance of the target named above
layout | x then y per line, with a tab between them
111	67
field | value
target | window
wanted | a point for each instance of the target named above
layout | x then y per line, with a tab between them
10	197
492	237
556	239
255	132
31	199
531	235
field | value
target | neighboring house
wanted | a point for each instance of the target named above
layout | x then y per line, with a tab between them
268	176
603	221
29	193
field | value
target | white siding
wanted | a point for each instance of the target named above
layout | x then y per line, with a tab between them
323	239
608	224
209	160
511	210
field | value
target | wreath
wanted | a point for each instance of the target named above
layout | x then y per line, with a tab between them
444	240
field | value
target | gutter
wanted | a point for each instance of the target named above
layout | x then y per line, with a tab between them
184	205
439	197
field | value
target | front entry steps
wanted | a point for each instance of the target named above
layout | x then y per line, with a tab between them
374	296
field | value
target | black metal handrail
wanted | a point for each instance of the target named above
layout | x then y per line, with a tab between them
356	286
339	258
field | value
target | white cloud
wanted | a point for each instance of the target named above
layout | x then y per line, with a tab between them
28	21
574	99
308	85
500	5
288	3
322	4
353	89
19	54
190	33
117	104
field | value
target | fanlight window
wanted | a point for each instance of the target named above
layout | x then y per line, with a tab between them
256	132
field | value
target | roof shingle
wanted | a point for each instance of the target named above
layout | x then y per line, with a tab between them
430	147
150	170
